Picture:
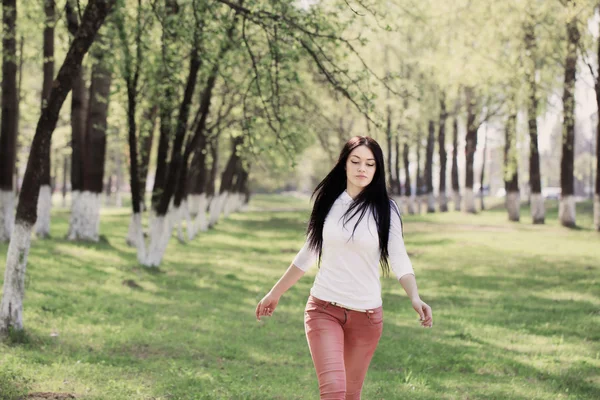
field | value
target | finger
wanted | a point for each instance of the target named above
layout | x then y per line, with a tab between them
258	310
420	312
427	310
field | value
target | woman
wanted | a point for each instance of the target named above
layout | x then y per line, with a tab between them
353	227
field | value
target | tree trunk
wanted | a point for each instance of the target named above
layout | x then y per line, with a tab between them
8	125
94	149
470	148
211	182
397	165
162	226
166	107
429	168
481	182
392	185
538	209
408	199
567	201
419	192
65	182
511	169
148	127
443	198
42	227
78	128
454	168
11	308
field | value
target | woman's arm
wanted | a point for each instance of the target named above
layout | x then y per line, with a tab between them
409	283
267	305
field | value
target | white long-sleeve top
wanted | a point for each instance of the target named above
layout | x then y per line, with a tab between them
350	272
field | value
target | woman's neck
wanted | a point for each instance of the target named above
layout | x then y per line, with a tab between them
353	191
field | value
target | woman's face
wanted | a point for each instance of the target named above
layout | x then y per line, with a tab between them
360	167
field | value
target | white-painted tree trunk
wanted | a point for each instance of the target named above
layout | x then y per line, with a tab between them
7	214
42	224
430	203
85	217
456	200
160	233
538	208
135	236
513	206
469	201
409	201
229	204
443	202
13	292
566	211
200	223
74	220
597	212
216	206
193	203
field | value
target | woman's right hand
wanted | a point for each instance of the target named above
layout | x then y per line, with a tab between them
266	306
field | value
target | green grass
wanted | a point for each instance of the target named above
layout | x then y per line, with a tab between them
516	313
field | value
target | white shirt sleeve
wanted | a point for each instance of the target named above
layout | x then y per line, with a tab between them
305	258
398	257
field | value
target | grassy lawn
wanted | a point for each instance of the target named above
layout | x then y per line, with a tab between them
516	313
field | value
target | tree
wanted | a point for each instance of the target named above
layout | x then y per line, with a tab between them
11	307
429	167
78	129
538	211
8	125
511	169
567	201
443	198
454	168
470	148
42	229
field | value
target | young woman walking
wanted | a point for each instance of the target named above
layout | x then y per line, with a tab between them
354	227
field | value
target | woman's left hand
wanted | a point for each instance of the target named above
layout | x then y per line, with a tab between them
424	311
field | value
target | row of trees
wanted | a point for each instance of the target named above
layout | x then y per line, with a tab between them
458	67
197	71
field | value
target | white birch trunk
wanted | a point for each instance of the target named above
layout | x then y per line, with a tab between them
430	203
469	201
456	200
538	209
513	206
7	214
597	212
566	211
13	292
443	202
42	224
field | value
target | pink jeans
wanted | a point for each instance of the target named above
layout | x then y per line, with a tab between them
342	343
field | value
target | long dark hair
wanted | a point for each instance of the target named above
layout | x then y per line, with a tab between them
373	198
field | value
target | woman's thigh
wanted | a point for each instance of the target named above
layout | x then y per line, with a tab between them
325	337
361	337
